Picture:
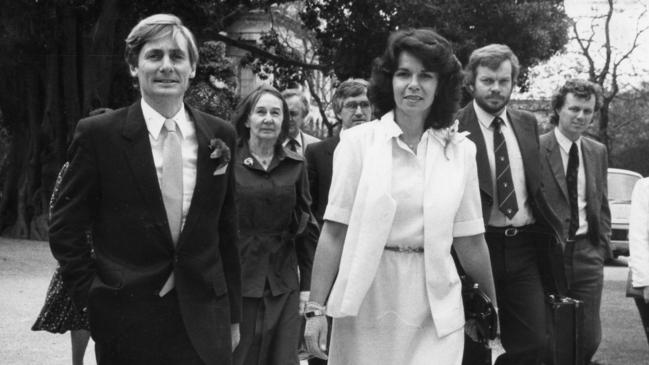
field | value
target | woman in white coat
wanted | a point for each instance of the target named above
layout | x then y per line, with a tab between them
639	247
404	189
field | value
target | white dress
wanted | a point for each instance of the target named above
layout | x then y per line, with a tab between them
394	324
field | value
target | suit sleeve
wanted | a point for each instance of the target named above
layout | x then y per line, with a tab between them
605	214
72	216
305	243
312	171
229	239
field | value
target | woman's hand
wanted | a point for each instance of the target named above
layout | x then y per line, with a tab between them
315	336
645	294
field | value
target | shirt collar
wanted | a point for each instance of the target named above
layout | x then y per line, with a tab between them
391	127
486	118
155	121
564	141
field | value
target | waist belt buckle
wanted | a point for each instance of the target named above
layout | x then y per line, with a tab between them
511	232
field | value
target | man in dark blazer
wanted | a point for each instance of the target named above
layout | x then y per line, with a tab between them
152	184
574	175
521	229
351	107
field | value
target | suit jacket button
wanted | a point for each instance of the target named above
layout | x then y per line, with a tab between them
176	258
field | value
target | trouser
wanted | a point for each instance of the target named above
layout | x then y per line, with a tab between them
519	289
643	309
584	268
159	337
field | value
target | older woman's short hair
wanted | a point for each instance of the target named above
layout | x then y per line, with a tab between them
580	88
347	89
289	93
246	106
436	54
155	27
490	56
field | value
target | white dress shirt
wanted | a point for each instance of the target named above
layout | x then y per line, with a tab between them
189	144
524	215
565	144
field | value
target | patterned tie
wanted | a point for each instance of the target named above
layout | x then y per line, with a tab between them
504	183
292	144
171	186
571	182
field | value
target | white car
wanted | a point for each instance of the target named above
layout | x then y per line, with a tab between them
620	186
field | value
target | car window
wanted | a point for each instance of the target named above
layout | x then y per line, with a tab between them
620	186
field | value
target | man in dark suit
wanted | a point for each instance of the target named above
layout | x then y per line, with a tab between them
521	229
152	184
352	107
298	108
574	175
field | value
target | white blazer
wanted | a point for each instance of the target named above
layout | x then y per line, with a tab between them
450	179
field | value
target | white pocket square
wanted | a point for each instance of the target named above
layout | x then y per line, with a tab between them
221	170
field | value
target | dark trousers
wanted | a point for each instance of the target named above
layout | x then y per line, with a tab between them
584	268
520	294
158	337
643	309
270	330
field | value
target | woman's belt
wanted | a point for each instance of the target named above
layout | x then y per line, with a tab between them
404	249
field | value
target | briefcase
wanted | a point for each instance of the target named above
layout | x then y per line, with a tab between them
565	320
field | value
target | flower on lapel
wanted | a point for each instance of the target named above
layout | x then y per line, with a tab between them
220	152
450	135
248	161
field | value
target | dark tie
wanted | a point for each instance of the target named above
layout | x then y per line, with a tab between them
571	182
504	184
292	144
171	186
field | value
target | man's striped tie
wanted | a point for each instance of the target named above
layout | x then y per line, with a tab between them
504	184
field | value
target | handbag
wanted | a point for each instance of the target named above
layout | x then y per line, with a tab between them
631	291
477	305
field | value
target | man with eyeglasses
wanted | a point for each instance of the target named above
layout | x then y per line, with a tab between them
351	107
298	108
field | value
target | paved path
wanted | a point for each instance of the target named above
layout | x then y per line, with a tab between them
26	268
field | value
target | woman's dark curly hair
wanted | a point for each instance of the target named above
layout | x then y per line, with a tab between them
436	54
246	106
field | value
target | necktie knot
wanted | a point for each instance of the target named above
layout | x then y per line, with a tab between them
574	151
496	123
292	144
170	125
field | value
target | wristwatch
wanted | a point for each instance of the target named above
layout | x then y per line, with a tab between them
314	313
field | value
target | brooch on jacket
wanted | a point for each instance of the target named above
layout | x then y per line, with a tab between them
220	152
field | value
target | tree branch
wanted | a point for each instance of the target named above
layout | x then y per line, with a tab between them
212	34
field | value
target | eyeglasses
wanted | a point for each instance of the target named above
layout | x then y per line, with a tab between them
353	105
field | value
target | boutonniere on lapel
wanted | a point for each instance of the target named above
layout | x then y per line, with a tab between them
220	152
248	161
450	135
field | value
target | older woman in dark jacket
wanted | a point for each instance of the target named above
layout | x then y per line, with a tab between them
278	231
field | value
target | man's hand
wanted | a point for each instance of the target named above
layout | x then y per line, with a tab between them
315	336
235	335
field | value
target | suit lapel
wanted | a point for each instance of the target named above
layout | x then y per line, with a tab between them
588	156
471	124
140	159
553	155
202	189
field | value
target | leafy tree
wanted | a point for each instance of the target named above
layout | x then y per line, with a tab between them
604	59
353	33
60	60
